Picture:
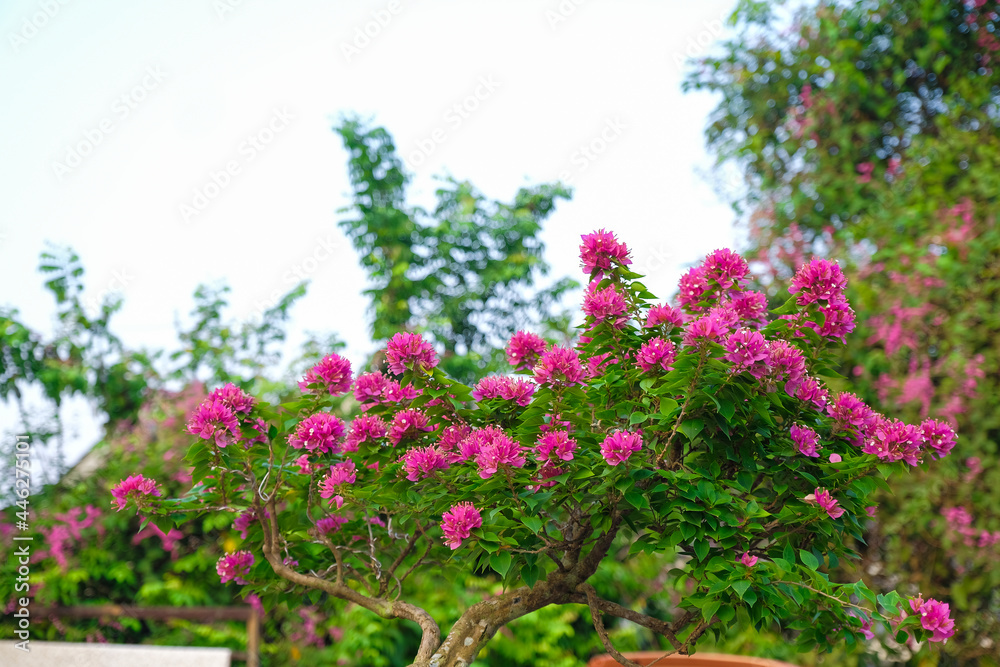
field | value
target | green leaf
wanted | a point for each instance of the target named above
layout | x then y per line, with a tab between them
701	549
533	523
637	499
667	406
500	562
741	587
808	559
691	428
637	418
708	611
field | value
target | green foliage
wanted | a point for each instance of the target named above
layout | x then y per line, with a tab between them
868	132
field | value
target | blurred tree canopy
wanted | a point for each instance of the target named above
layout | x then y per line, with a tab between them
867	132
465	273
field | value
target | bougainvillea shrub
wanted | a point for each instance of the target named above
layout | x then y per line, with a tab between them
704	430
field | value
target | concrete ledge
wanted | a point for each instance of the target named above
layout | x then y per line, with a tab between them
68	654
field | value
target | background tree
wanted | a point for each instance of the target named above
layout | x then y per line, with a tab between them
868	132
466	273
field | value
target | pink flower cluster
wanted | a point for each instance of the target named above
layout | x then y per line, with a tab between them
620	445
423	462
501	451
340	474
555	445
410	423
524	350
598	250
135	487
748	560
332	375
318	434
934	616
410	350
960	521
656	353
214	420
748	350
330	524
822	282
457	523
725	268
365	428
806	440
664	315
852	415
605	305
509	389
825	501
559	366
235	567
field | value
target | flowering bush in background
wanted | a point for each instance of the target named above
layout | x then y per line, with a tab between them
694	457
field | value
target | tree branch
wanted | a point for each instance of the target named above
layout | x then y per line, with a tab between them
595	615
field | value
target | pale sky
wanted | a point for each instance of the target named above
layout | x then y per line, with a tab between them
172	144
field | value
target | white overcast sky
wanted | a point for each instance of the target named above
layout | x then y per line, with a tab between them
116	113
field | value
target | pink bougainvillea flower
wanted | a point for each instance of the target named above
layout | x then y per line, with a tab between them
747	350
892	440
410	350
555	445
656	354
838	321
365	428
245	519
705	328
330	524
819	280
934	616
233	397
214	419
835	458
692	290
136	487
524	350
605	305
664	315
850	413
394	392
518	390
339	475
319	433
410	423
806	440
870	511
235	566
751	307
787	363
368	388
500	451
450	439
543	479
332	375
457	523
422	462
620	445
725	267
823	498
599	249
812	391
476	440
559	366
938	437
747	559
